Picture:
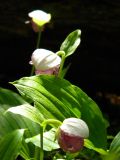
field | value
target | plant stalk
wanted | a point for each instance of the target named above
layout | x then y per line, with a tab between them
41	144
39	37
37	46
61	65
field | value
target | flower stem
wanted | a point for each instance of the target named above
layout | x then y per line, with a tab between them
37	46
37	152
41	143
61	65
52	122
39	37
61	54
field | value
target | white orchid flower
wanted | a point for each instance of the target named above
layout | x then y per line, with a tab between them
45	61
72	133
39	17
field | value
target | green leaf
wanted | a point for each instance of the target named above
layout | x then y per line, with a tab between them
49	142
54	97
115	147
111	156
10	122
10	145
58	98
91	114
28	111
89	144
10	98
64	71
71	43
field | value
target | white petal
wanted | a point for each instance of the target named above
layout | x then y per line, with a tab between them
75	126
44	59
39	15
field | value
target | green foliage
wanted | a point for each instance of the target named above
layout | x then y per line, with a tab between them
11	145
114	150
89	144
29	112
49	142
71	43
10	98
115	145
58	99
92	115
29	125
11	122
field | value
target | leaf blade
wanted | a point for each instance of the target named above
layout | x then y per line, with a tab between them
68	100
10	145
49	142
71	43
28	111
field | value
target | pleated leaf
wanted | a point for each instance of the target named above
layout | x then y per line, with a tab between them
10	98
71	43
115	147
57	98
53	97
10	122
29	112
89	144
91	114
10	145
49	142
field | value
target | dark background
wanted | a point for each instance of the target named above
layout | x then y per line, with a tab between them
95	66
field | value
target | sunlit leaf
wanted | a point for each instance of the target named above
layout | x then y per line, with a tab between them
10	122
10	145
58	98
71	43
49	142
89	144
10	98
115	147
91	114
29	112
53	97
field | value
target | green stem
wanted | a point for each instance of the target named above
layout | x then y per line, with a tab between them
37	152
41	143
37	46
61	65
32	71
39	37
51	122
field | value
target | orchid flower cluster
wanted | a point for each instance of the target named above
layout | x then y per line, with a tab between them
51	118
44	61
73	130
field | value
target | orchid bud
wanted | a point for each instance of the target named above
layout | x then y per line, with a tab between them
45	61
39	17
71	134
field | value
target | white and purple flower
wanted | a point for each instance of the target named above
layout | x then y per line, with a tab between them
72	133
45	61
38	19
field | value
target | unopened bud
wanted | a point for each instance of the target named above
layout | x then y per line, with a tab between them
71	134
45	61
